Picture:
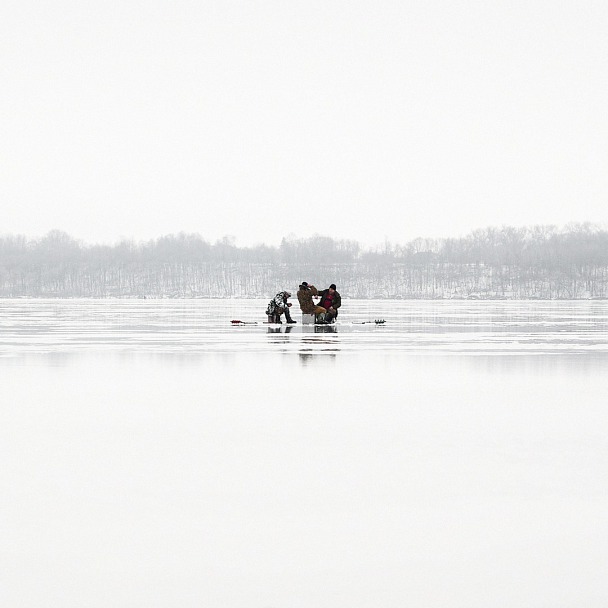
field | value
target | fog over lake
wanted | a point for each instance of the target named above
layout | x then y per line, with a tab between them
155	455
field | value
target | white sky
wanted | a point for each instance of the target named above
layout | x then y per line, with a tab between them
364	120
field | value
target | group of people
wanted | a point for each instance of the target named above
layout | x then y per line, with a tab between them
325	311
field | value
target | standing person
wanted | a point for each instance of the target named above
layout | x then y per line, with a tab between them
279	305
307	306
330	301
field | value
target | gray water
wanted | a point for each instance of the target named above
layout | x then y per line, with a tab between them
156	455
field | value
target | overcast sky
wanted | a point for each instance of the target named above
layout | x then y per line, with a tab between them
359	119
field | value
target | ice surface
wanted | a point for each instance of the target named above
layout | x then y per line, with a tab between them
204	326
154	455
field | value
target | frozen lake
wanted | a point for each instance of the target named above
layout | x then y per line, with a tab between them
156	456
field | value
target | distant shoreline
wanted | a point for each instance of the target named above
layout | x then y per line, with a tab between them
539	263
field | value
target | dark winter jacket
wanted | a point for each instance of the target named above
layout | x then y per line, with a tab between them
336	300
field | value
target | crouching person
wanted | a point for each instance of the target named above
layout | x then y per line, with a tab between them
330	301
307	305
278	306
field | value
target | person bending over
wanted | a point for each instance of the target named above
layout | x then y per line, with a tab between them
279	305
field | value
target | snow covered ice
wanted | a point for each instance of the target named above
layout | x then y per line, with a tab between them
155	455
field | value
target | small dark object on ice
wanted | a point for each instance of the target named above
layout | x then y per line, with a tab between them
237	322
377	322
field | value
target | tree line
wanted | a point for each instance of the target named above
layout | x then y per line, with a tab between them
507	262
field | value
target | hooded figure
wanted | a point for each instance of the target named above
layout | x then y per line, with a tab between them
277	306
